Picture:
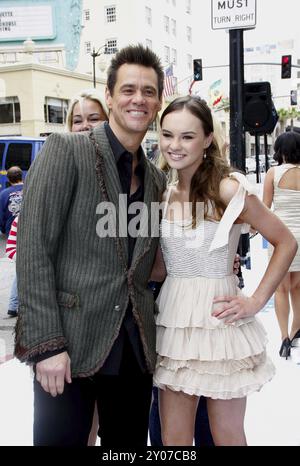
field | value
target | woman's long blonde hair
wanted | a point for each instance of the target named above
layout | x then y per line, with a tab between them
205	183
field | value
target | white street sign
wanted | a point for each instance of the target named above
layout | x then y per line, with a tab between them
233	14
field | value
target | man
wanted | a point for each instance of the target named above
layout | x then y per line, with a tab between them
86	316
10	204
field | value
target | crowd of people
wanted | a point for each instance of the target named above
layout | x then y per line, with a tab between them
98	337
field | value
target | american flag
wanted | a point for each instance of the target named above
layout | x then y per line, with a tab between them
169	88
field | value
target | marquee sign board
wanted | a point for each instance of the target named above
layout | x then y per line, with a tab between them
20	23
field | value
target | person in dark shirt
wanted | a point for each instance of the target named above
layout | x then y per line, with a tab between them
10	204
10	199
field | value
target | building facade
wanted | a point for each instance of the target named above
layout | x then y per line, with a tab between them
47	44
165	26
263	63
35	98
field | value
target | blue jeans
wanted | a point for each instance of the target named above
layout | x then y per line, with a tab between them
203	436
13	299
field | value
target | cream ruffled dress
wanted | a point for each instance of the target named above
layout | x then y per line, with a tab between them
197	353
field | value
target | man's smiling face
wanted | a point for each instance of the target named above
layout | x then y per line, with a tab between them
134	103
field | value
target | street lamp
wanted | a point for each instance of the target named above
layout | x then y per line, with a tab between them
95	54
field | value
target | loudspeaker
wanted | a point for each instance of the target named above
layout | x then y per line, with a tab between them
260	115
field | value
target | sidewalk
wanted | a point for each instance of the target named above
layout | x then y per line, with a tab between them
272	416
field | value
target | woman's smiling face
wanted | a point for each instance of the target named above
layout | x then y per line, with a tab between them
182	140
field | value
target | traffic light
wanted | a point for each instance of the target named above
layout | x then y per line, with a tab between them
260	115
197	62
294	97
286	66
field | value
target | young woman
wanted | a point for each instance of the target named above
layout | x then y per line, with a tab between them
208	340
282	188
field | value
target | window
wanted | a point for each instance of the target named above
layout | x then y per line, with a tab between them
166	24
189	61
10	110
8	57
188	7
173	27
110	14
55	110
18	154
86	14
148	16
149	43
174	56
189	33
111	46
87	47
167	54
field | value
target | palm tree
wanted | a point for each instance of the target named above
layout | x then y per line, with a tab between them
285	114
293	113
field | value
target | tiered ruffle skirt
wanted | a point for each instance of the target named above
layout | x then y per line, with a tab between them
200	354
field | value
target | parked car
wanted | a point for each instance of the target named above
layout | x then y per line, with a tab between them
17	150
251	164
272	162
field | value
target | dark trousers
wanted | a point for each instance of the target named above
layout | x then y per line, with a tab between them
123	405
203	437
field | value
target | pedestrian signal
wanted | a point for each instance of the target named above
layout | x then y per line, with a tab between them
286	66
197	69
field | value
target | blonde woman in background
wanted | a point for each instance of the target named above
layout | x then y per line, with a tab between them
87	110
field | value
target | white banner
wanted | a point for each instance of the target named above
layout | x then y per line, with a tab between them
19	23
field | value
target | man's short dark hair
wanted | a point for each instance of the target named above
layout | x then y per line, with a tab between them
135	55
14	175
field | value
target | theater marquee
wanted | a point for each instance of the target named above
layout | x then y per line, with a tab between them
19	23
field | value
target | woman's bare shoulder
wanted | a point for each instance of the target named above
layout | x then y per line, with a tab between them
228	188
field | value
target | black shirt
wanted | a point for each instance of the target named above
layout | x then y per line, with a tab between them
129	329
123	160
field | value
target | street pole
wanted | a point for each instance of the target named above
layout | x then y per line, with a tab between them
94	55
257	151
237	136
266	152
